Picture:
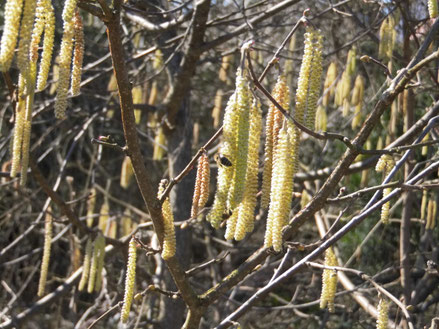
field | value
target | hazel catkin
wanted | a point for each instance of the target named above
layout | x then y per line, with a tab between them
12	15
129	281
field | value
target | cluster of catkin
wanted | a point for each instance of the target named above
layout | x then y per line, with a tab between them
237	181
385	164
329	281
283	138
387	38
93	264
169	242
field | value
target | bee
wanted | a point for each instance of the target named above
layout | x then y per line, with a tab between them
222	160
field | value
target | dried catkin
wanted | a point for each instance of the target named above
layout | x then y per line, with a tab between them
432	8
383	314
329	281
273	124
169	243
49	36
129	281
385	165
246	209
78	53
48	228
86	264
12	15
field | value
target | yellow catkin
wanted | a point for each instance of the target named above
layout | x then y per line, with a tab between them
158	60
225	173
231	226
20	115
357	100
344	85
95	264
159	145
130	281
383	314
387	36
424	203
309	78
197	189
329	88
127	224
272	126
385	165
245	220
169	243
126	173
27	22
432	8
153	94
225	64
91	202
216	111
37	30
241	151
65	59
48	228
78	53
305	198
321	119
281	191
49	35
329	282
12	15
104	216
86	264
137	93
289	63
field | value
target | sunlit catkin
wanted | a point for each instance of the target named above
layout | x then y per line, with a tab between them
240	166
159	145
169	243
329	88
86	264
12	15
273	124
96	262
65	59
387	38
49	35
201	190
432	8
383	314
225	173
20	115
385	165
78	53
126	173
329	282
46	253
246	209
357	100
27	23
129	281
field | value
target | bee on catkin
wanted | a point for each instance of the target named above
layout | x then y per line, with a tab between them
48	228
385	165
12	15
129	281
86	264
329	281
383	314
78	53
169	243
432	8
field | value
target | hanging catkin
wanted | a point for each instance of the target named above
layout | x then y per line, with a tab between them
385	165
129	281
86	264
329	281
48	228
49	36
201	190
169	243
281	94
432	8
78	53
12	15
383	314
